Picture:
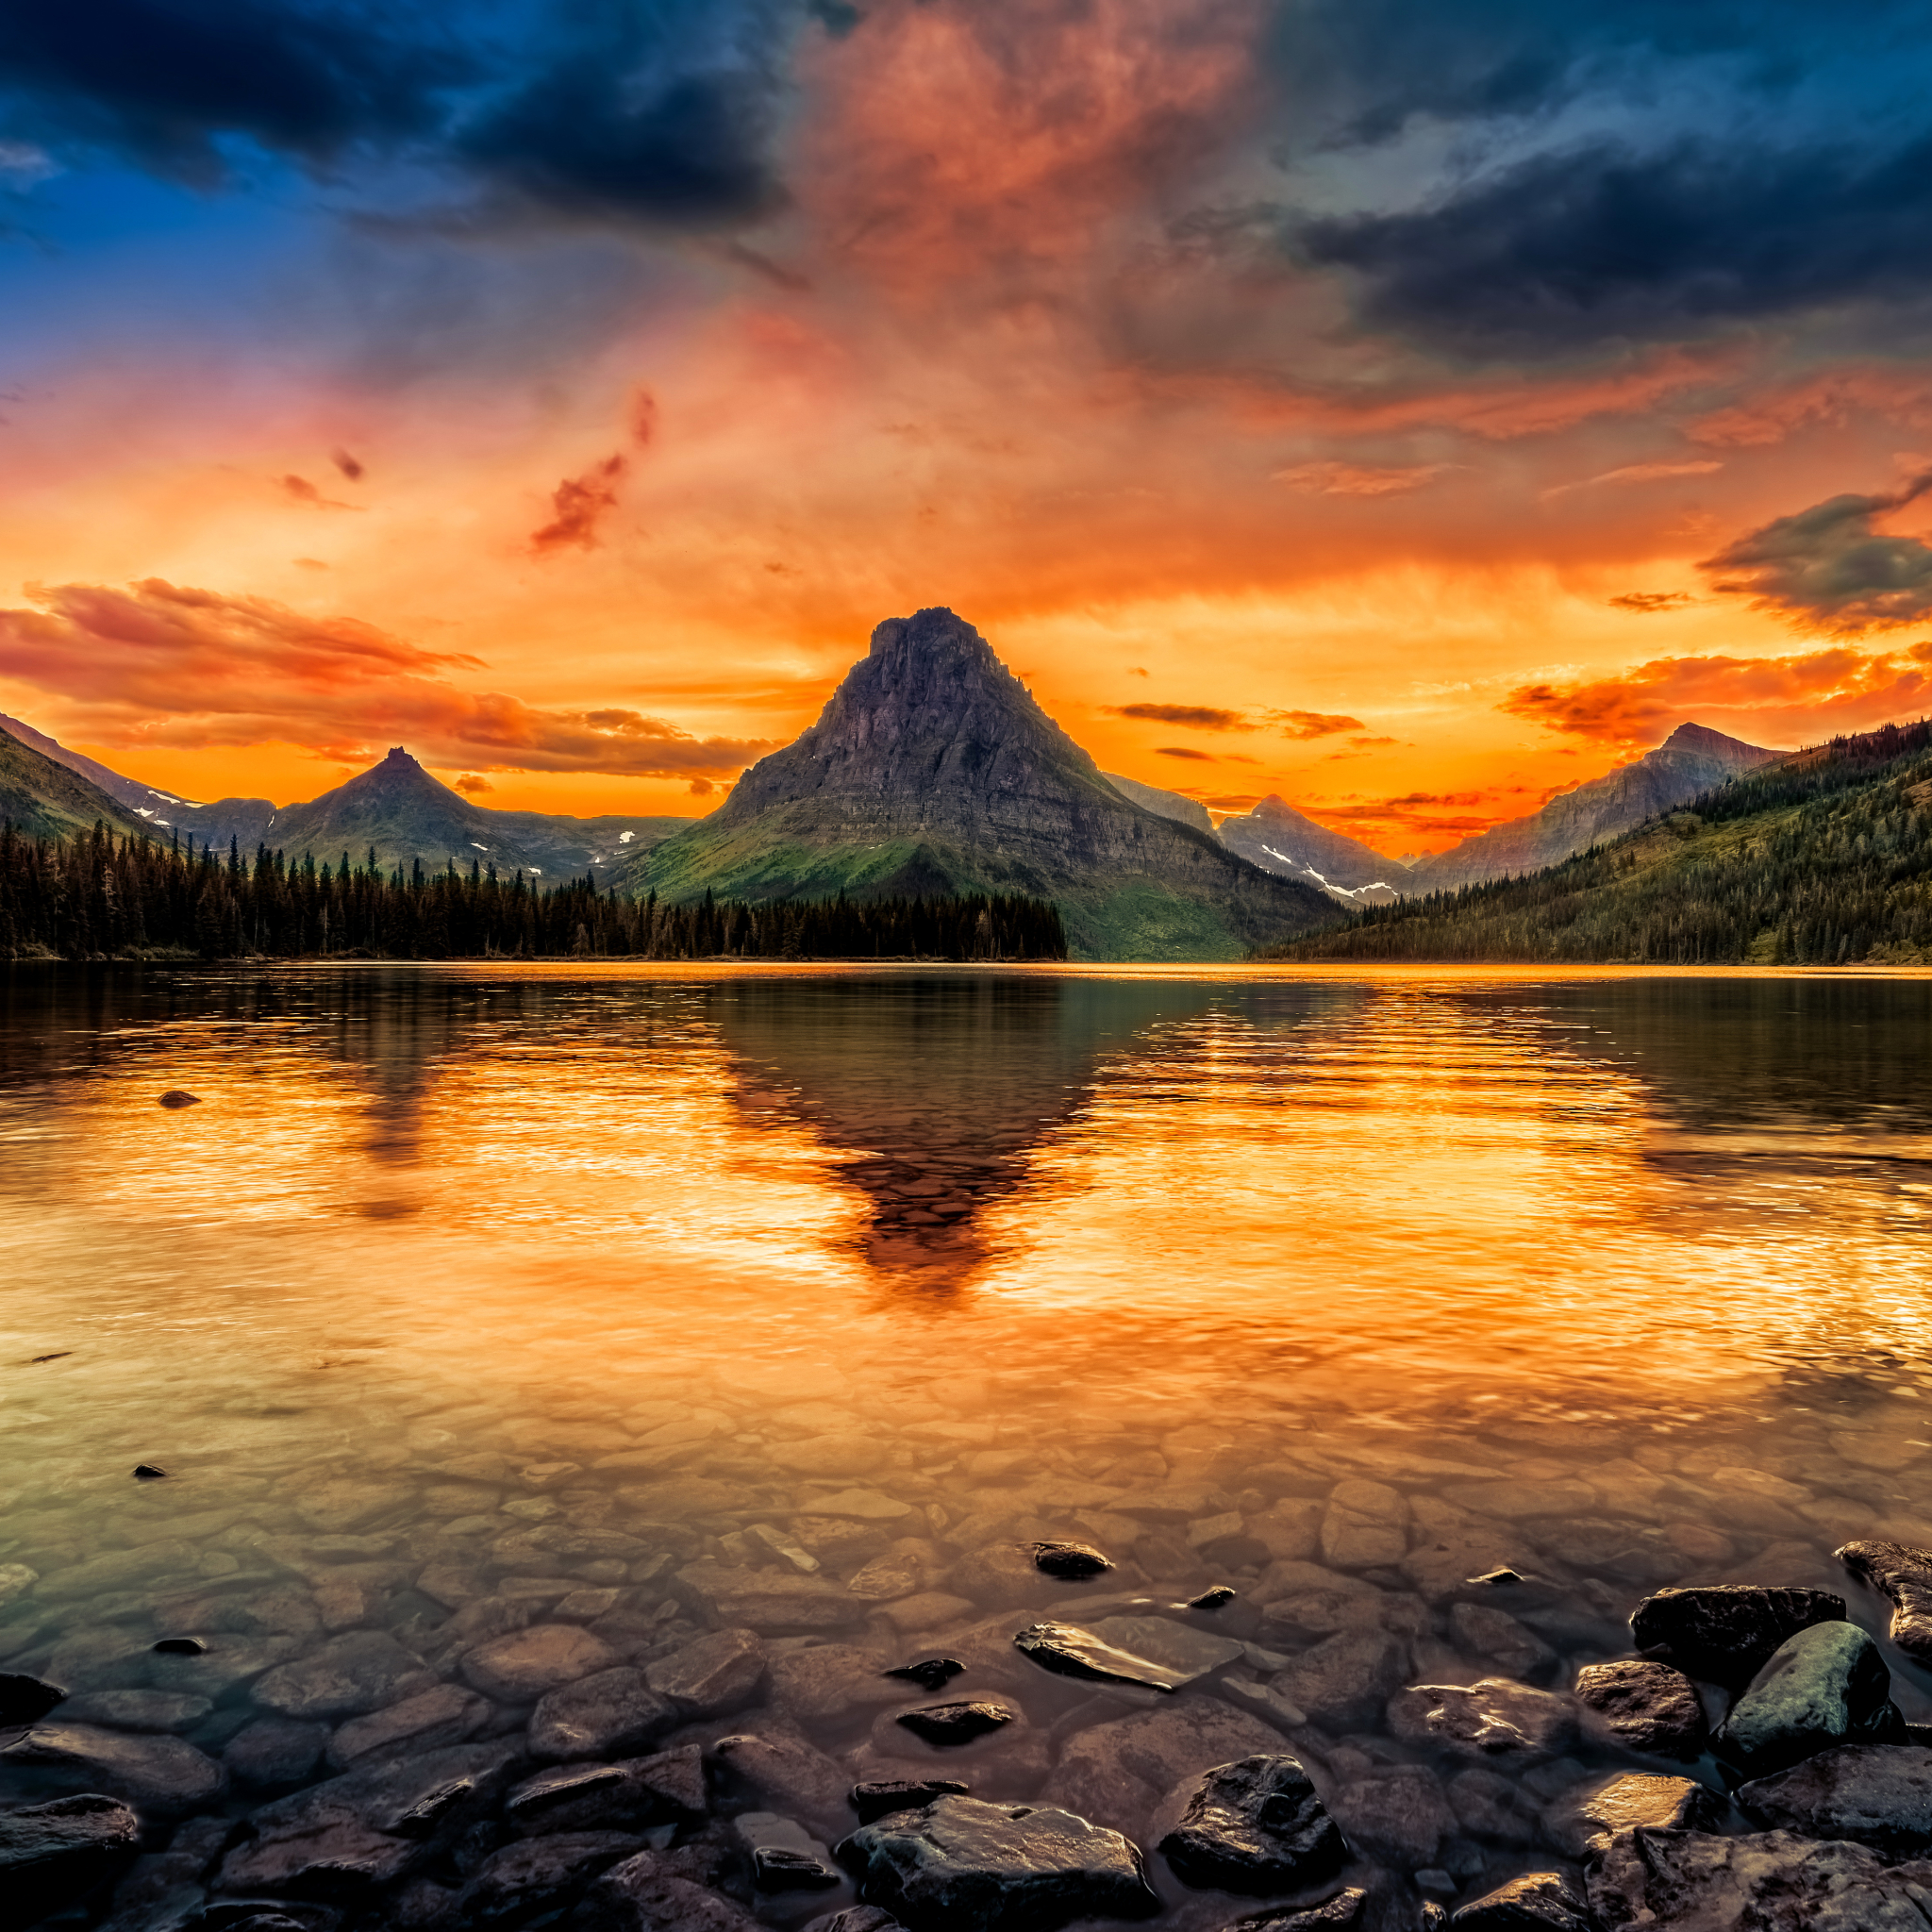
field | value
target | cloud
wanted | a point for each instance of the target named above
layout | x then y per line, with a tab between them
1310	725
472	785
1197	717
1181	751
1359	480
578	504
1649	602
1830	568
1781	699
346	464
1637	473
302	490
161	665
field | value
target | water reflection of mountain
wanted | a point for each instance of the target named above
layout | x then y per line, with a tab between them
936	1088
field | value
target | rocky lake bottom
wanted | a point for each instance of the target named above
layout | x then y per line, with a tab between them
641	1452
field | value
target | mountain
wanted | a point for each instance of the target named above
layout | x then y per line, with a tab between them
932	770
1820	859
1278	839
1691	761
47	799
1166	804
144	801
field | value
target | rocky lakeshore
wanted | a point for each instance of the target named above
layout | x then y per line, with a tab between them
711	1669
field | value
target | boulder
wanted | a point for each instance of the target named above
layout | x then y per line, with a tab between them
879	1797
539	1876
632	1794
611	1714
1582	1820
52	1855
1537	1902
1398	1814
360	1670
1725	1633
1826	1686
1769	1881
1490	1719
165	1776
955	1723
963	1866
1874	1794
1904	1575
712	1677
527	1664
1335	1914
1643	1707
427	1722
1255	1825
1068	1651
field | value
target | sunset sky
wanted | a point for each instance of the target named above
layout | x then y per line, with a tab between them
1411	407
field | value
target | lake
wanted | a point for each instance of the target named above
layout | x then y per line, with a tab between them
646	1303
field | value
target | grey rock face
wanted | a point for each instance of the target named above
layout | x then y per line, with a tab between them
1491	1719
1255	1825
360	1670
1583	1819
1537	1902
1874	1794
1725	1633
1825	1687
712	1677
53	1854
166	1776
1904	1575
1068	1651
1643	1707
1771	1881
527	1664
609	1714
963	1866
540	1875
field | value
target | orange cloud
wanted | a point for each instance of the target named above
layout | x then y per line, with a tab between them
1310	725
302	490
1201	716
1360	479
162	665
1774	413
579	503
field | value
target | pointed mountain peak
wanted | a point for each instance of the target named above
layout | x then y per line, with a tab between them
928	633
1714	744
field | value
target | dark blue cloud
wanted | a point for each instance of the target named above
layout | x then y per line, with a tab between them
662	115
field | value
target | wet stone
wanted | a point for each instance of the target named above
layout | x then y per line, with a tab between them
779	1766
1069	1650
930	1674
1494	1808
1489	1720
1537	1902
163	1775
446	1715
613	1713
1902	1574
784	1855
53	1854
1217	1598
527	1664
1255	1825
880	1796
1583	1819
1826	1686
1366	1525
1485	1631
1878	1795
955	1723
667	1788
1335	1914
997	1868
1643	1707
274	1752
540	1875
647	1894
712	1677
769	1601
1400	1815
360	1671
1344	1681
24	1700
1070	1562
1725	1633
855	1918
1179	1648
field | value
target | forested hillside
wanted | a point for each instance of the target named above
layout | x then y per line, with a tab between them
103	897
1824	858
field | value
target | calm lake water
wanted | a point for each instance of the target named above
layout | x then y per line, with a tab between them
622	1296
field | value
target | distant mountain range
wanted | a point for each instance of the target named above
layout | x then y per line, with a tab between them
932	770
1278	839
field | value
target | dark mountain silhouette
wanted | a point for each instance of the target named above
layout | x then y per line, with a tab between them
47	799
1691	761
1278	839
933	769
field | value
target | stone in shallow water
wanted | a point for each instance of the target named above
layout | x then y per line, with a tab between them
784	1855
611	1714
778	1765
1537	1902
963	1866
360	1671
1583	1819
1342	1681
540	1875
1068	1651
1874	1794
427	1722
1494	1808
1643	1707
882	1796
1213	1599
769	1601
1904	1575
1255	1825
1771	1881
525	1664
668	1789
648	1895
1366	1525
1336	1914
24	1699
166	1776
712	1677
1490	1718
1399	1814
1826	1686
275	1752
930	1674
1177	1647
856	1919
955	1723
53	1854
137	1710
1071	1563
1486	1631
1725	1633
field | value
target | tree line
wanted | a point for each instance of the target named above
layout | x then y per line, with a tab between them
100	897
1823	859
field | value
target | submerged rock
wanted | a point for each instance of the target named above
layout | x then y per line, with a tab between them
1490	1718
1068	1651
427	1722
717	1674
1255	1825
360	1671
634	1793
856	1919
611	1714
1336	1914
1537	1902
166	1776
52	1855
1070	1562
1180	1648
963	1866
784	1855
178	1097
1826	1686
527	1664
539	1876
1725	1633
137	1710
647	1894
1583	1819
1904	1575
275	1752
880	1797
1874	1794
1399	1814
782	1768
930	1674
1643	1707
955	1723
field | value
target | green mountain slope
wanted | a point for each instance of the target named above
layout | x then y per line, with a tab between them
1822	858
933	769
46	800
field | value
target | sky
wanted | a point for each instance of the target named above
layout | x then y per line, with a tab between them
1409	407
